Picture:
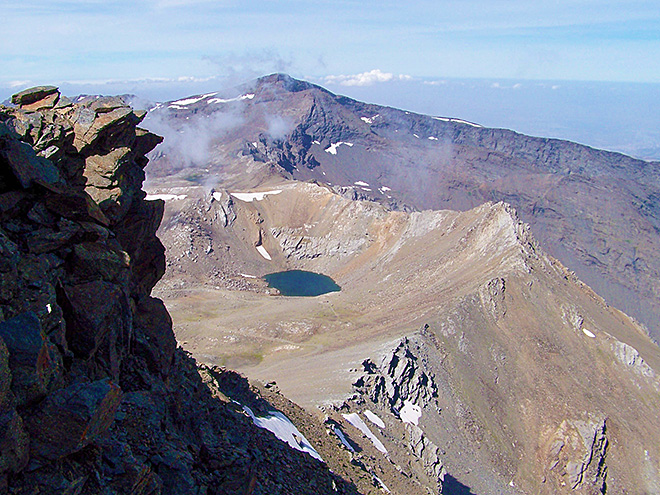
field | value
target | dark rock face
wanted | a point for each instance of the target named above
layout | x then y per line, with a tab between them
94	396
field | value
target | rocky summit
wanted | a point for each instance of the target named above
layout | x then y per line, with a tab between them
95	397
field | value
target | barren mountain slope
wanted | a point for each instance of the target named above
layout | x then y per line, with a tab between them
598	212
526	381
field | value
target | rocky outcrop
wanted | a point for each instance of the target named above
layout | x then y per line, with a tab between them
576	457
401	386
398	378
94	395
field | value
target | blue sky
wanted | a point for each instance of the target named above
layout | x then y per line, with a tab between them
503	63
196	40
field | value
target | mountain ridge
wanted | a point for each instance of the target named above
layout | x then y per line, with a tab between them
597	211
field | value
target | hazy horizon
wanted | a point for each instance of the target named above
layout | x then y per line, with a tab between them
616	116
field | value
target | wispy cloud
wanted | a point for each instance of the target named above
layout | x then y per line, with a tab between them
366	78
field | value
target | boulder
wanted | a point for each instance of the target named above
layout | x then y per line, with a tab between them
102	170
103	125
46	239
73	417
37	98
76	206
33	361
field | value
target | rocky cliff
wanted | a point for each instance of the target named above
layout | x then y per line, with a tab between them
94	395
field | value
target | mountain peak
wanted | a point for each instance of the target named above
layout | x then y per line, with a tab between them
286	81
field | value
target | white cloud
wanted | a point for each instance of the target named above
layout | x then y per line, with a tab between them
366	78
16	84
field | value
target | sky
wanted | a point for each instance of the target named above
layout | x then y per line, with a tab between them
162	41
546	68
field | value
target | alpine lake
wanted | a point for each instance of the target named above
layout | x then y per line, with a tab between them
301	283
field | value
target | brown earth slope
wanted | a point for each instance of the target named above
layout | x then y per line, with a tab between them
526	380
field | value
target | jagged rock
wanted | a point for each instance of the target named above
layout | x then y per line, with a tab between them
99	321
72	417
629	356
398	378
577	454
492	296
428	452
78	274
33	362
14	442
5	374
99	261
37	98
571	316
137	235
153	334
26	166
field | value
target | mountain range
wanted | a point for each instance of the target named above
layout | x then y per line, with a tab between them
598	212
469	349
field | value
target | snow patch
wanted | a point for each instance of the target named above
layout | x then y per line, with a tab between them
374	419
416	136
382	484
456	121
246	275
588	333
254	196
370	120
357	421
165	197
410	412
229	100
263	252
385	188
342	437
361	183
278	424
459	121
187	101
332	149
433	138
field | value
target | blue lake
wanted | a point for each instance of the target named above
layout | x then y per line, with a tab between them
301	283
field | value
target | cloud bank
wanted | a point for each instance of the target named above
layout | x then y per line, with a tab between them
366	78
